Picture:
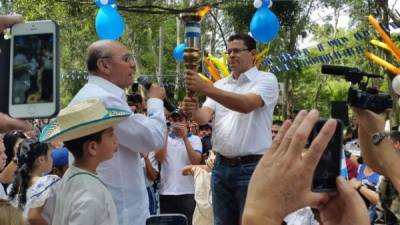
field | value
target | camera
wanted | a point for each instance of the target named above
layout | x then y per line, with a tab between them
134	98
135	87
365	97
370	99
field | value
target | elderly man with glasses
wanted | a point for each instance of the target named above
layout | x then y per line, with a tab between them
242	105
112	68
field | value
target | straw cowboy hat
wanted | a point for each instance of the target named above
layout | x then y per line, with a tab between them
82	119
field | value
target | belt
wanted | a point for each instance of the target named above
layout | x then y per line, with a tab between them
239	160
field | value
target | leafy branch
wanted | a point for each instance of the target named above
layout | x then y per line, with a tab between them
153	9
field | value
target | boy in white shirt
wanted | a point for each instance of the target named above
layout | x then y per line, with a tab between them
86	129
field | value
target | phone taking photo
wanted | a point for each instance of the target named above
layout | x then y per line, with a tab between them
328	168
34	70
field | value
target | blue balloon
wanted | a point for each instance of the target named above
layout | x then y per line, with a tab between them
109	23
101	3
178	52
266	3
264	25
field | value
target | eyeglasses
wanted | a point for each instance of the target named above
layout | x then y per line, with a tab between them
236	50
126	58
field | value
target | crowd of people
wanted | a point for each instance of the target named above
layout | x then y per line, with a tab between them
112	158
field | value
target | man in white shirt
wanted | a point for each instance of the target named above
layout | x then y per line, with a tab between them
112	68
183	148
242	105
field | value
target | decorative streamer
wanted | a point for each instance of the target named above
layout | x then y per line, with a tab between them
385	37
381	45
205	78
380	61
220	64
211	69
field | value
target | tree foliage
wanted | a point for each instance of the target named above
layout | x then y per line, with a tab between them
305	87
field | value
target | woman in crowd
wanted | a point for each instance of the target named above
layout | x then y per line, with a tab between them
11	141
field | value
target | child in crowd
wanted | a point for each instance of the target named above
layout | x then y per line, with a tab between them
60	161
12	140
31	191
10	215
86	129
203	214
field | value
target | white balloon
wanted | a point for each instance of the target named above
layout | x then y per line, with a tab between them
270	4
257	3
396	84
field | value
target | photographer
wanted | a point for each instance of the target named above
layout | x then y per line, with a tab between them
380	156
275	191
388	210
183	148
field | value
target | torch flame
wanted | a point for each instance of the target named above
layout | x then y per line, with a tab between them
203	10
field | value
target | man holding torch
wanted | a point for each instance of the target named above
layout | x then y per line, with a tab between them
242	106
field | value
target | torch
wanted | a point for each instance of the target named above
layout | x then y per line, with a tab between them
192	53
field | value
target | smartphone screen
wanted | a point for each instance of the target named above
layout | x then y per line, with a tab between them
33	69
328	168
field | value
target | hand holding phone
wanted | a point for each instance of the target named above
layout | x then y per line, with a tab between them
284	174
9	20
34	70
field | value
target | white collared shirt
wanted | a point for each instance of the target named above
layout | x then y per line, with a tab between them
172	182
123	174
83	199
239	134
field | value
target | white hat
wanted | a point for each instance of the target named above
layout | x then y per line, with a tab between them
82	119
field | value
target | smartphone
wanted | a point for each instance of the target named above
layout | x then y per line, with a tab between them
328	168
167	219
34	70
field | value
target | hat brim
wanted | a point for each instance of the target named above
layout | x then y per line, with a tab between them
53	132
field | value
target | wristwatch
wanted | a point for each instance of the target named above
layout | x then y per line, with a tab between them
378	137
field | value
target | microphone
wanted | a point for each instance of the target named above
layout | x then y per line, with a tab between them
344	70
146	83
